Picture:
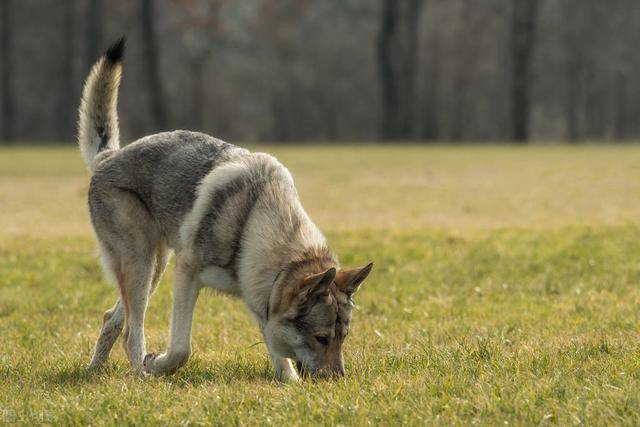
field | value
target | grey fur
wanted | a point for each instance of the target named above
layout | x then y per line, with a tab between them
235	223
163	171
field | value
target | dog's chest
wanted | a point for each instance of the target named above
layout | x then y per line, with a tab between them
218	278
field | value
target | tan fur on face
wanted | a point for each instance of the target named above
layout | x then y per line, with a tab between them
296	280
346	283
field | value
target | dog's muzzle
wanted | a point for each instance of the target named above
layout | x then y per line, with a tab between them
322	373
301	369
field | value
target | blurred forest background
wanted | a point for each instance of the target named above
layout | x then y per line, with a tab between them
305	70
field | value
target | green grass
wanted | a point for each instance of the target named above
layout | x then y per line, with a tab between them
527	313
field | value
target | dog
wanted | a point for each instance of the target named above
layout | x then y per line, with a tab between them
235	223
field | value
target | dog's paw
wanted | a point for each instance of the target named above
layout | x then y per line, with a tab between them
148	363
95	366
288	379
285	373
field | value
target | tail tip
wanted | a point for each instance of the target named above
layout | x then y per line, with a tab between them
115	53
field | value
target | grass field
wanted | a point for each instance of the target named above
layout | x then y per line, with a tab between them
506	291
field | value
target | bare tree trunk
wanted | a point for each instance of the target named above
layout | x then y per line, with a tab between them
67	97
156	92
573	72
571	107
620	119
458	113
397	61
430	129
7	71
390	102
574	59
594	104
411	70
522	42
197	67
95	30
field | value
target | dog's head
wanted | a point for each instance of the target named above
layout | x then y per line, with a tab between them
309	318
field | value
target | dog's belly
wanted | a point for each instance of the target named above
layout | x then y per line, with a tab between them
218	278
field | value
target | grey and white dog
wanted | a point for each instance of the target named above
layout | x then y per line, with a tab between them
235	222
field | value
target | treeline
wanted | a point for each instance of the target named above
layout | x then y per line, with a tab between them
305	70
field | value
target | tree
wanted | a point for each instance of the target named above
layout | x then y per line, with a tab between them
430	129
67	97
7	70
621	118
201	30
522	43
94	31
152	65
574	64
279	23
398	64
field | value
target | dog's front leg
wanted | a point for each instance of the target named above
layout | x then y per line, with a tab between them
185	295
284	370
282	366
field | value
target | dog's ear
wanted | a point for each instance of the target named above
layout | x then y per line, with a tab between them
349	281
316	285
296	295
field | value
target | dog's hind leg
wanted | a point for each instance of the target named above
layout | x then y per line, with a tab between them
138	292
135	288
114	317
111	329
129	239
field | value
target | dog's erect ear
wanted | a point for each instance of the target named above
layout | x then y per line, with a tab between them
316	284
349	281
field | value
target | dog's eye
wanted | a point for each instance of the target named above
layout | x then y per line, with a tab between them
324	341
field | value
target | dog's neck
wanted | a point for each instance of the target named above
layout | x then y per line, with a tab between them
274	279
282	238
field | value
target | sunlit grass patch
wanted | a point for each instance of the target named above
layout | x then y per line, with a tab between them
514	325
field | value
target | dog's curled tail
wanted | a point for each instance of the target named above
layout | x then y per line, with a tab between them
98	116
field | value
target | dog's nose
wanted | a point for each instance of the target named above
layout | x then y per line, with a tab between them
337	372
301	369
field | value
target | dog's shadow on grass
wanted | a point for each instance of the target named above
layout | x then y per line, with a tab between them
224	372
74	375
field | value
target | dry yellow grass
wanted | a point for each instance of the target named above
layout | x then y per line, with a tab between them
43	191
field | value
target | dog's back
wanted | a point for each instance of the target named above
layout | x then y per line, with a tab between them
163	171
